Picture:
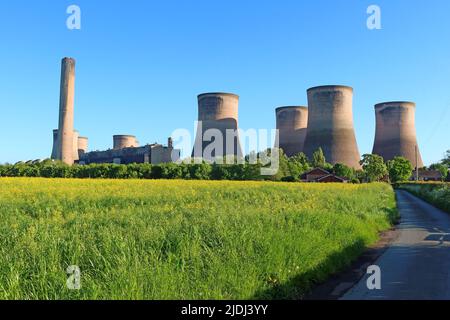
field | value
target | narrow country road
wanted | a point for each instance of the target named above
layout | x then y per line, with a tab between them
417	265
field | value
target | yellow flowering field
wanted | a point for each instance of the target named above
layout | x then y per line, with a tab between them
158	239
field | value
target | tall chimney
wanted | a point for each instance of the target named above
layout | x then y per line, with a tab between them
66	106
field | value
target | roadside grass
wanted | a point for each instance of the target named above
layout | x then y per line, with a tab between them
436	193
139	239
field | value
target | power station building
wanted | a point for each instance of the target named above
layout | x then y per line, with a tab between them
292	123
330	125
217	131
126	154
70	147
396	132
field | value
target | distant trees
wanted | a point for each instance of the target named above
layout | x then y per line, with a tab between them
446	160
374	167
442	168
344	171
318	159
289	169
298	164
399	169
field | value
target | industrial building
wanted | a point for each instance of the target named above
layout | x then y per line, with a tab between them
292	123
396	132
330	125
70	147
217	119
124	154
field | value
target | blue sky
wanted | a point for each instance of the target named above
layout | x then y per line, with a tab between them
141	64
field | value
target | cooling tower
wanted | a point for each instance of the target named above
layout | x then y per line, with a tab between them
55	145
82	144
76	140
76	135
217	111
396	132
124	141
291	125
330	125
66	105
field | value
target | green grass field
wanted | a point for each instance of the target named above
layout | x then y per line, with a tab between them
136	239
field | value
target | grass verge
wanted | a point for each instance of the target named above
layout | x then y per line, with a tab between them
436	193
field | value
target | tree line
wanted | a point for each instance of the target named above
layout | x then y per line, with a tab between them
374	168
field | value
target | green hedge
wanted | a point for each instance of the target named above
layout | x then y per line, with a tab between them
204	171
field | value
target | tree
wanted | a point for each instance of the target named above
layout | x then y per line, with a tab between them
344	171
298	164
400	169
446	160
281	168
374	167
319	160
442	168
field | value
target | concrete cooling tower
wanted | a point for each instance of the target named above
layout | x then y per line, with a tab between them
217	111
76	135
76	140
291	125
124	141
330	125
82	145
66	105
396	132
55	145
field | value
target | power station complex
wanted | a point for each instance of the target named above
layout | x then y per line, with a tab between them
326	123
70	148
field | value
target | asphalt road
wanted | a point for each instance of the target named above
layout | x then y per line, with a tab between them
417	265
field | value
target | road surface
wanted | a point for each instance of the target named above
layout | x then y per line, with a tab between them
417	265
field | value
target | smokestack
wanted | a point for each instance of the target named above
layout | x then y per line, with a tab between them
124	141
66	107
291	125
330	125
170	142
82	145
217	111
396	132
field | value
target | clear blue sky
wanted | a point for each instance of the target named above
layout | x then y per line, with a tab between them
141	64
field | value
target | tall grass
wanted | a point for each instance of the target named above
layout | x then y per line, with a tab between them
137	239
